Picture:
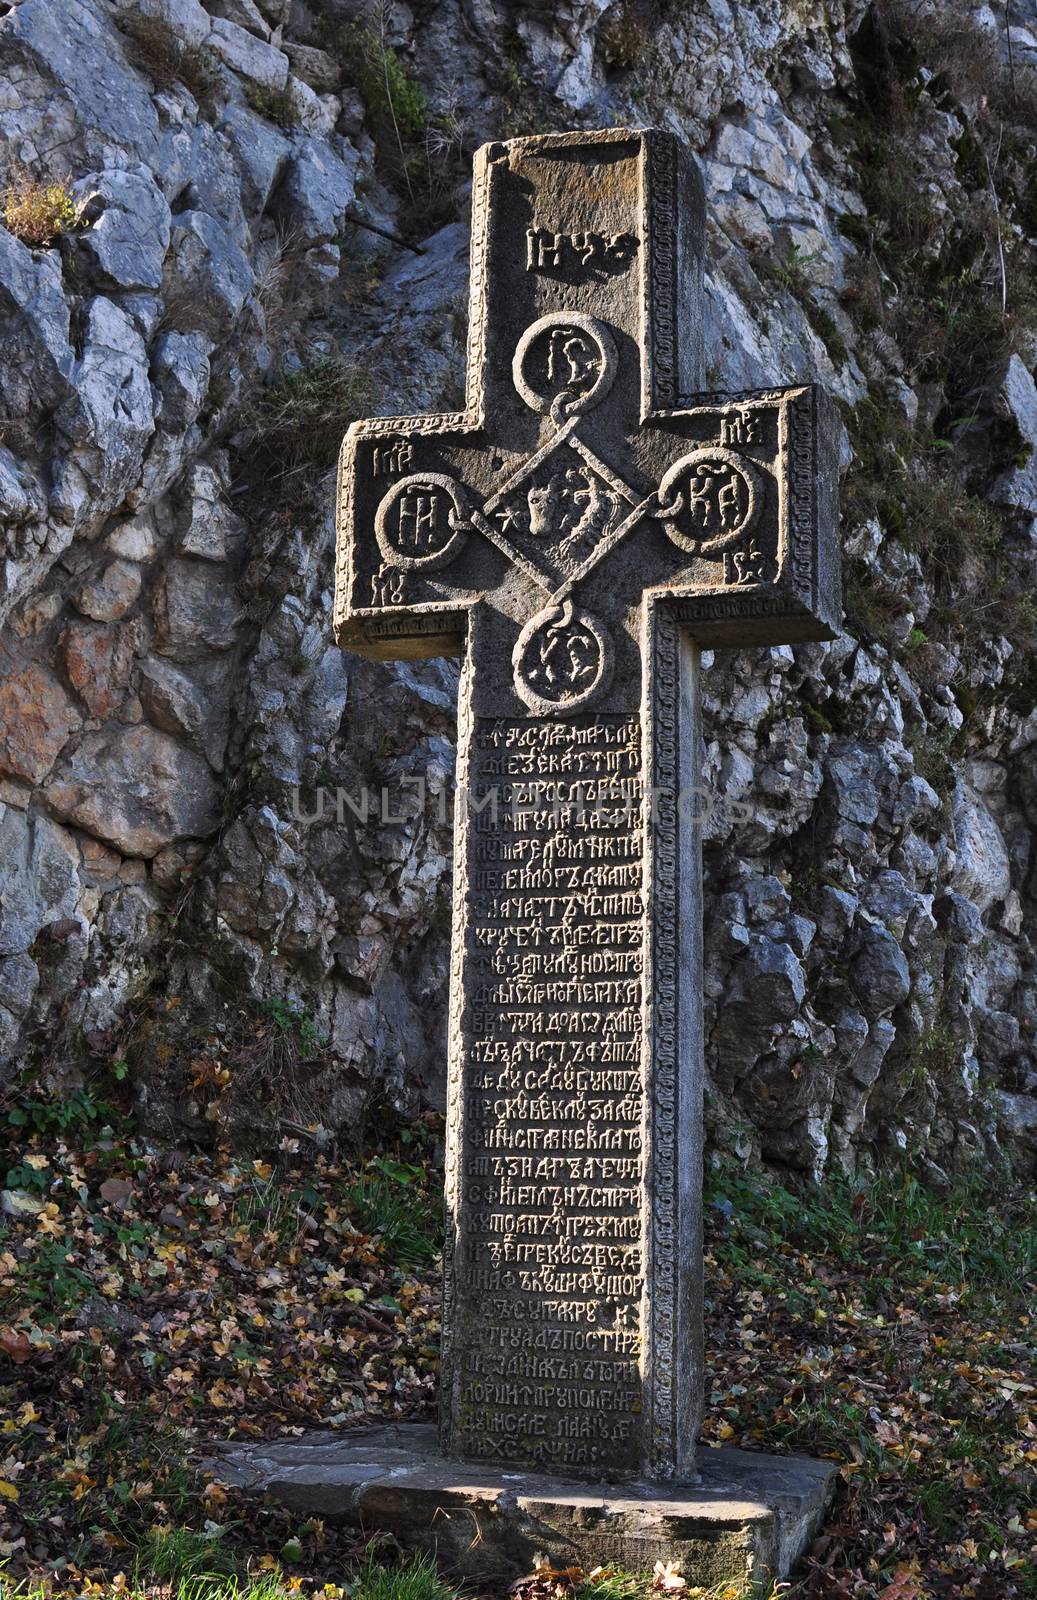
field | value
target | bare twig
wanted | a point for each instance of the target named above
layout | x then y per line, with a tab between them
997	222
386	233
1011	53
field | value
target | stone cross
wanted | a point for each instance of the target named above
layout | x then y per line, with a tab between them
578	533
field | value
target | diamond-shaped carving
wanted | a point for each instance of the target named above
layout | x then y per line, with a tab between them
559	512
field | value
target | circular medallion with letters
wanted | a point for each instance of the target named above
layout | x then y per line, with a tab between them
709	499
564	364
562	659
421	523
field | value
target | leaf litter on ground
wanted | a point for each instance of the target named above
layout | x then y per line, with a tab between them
155	1300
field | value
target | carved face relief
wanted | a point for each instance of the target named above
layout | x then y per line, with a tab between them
559	509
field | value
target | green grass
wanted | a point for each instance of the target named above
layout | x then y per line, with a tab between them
142	1586
407	1224
413	1579
299	419
984	1243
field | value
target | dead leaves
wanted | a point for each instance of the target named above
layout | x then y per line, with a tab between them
151	1301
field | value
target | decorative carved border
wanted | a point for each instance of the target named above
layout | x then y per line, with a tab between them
455	1097
799	448
659	306
662	744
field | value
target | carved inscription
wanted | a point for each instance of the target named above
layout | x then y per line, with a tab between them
581	254
552	1073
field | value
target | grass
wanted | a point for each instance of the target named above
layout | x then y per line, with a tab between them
891	1328
423	156
177	1569
299	419
415	1579
403	1225
157	51
38	213
276	105
160	1297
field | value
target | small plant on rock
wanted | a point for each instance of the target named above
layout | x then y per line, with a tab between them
158	52
299	419
38	213
276	105
624	36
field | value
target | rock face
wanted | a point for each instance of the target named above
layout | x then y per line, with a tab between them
177	731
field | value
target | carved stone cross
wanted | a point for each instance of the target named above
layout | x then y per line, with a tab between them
578	533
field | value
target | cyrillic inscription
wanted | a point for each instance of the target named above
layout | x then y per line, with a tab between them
552	1171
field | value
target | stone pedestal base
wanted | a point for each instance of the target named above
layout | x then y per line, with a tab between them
747	1520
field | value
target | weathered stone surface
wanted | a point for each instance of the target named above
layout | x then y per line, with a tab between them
1018	487
72	106
180	373
584	603
261	151
317	190
196	610
206	526
254	58
197	708
126	221
745	1522
212	271
111	594
188	19
41	877
135	788
315	67
97	663
982	870
36	718
245	13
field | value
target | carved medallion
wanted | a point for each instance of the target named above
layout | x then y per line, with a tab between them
564	364
422	522
562	659
709	500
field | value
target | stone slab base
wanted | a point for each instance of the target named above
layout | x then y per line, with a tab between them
747	1520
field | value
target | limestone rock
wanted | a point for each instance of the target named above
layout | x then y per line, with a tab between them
315	67
126	220
188	19
195	707
180	373
316	191
1018	487
982	869
879	973
211	270
1018	1113
245	13
253	58
41	878
112	593
135	788
97	662
211	241
36	719
196	610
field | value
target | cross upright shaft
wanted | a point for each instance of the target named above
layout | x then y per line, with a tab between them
578	533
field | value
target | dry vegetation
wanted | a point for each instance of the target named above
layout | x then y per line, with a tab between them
37	213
